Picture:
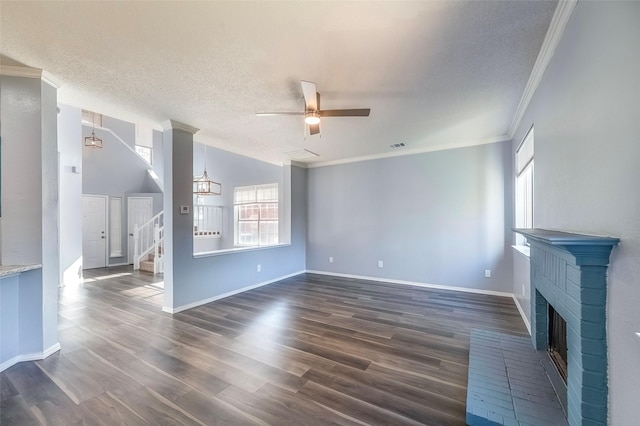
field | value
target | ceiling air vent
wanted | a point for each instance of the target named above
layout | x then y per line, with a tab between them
302	154
398	145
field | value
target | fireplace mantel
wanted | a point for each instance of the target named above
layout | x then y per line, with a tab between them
587	249
569	272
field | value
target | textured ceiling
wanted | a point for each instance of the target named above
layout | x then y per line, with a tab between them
435	74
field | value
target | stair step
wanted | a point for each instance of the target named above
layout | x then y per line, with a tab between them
146	265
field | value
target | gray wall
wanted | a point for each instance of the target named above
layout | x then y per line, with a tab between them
436	218
231	170
21	163
30	204
124	129
21	315
70	147
586	113
188	279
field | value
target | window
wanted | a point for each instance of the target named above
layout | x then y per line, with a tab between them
144	152
144	142
256	215
524	185
115	231
90	118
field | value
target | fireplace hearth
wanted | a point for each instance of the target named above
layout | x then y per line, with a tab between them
568	280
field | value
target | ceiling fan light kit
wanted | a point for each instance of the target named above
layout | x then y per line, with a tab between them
313	112
312	118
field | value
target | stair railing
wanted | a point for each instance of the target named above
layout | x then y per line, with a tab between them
146	240
158	252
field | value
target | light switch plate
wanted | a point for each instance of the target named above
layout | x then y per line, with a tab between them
184	209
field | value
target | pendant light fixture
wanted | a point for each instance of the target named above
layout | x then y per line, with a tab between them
93	141
203	185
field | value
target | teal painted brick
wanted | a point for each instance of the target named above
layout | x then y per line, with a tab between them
594	412
594	347
593	330
595	394
593	313
594	380
593	363
592	296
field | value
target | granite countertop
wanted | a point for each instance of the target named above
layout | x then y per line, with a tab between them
6	270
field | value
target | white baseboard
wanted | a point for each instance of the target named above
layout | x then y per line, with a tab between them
524	317
415	284
36	356
230	293
111	265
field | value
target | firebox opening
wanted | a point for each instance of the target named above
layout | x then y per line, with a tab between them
558	342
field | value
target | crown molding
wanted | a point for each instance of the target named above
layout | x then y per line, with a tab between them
554	34
497	139
176	125
48	78
28	72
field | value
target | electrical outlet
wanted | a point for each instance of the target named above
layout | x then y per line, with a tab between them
380	264
330	259
487	273
259	268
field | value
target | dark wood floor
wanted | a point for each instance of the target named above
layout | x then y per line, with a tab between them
307	350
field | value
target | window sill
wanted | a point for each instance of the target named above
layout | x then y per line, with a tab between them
237	250
523	250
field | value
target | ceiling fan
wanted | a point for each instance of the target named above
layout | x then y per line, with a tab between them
313	113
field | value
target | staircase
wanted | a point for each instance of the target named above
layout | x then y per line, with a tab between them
149	245
148	264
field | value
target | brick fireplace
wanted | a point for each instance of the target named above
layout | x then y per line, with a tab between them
568	272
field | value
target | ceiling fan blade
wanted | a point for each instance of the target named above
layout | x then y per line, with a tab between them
314	129
361	112
310	95
262	114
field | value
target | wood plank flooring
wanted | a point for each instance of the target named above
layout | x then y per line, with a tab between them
307	350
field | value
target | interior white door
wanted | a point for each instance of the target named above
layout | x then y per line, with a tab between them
94	235
140	210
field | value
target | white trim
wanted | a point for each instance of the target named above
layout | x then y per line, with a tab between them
525	251
237	250
111	265
176	125
524	317
554	34
28	72
48	78
18	71
36	356
415	284
230	293
497	139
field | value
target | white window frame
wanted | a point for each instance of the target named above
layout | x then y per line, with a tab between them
261	198
524	185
